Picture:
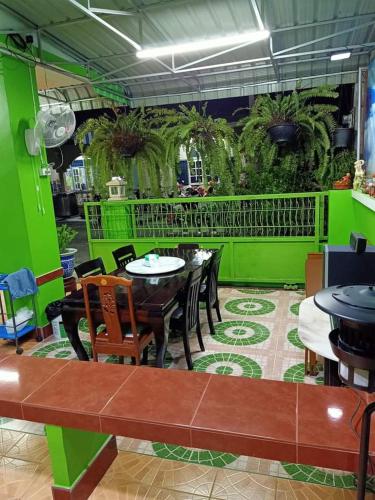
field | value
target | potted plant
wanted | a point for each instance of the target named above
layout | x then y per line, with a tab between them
305	136
212	138
283	117
65	236
120	147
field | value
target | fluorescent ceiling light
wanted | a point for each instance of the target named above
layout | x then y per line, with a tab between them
209	43
340	56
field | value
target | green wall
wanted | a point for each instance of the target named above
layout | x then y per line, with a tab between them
71	452
244	260
346	215
365	220
28	235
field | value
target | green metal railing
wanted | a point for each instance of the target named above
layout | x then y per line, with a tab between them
266	238
268	216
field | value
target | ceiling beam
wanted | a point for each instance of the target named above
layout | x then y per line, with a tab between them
104	23
324	23
270	42
323	38
136	78
217	54
268	82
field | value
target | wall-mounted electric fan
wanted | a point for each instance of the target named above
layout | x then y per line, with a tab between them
54	126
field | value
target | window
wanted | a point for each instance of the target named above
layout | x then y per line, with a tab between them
196	172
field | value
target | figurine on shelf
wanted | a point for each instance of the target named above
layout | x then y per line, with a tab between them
359	176
344	183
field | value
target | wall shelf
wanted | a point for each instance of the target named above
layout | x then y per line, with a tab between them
365	199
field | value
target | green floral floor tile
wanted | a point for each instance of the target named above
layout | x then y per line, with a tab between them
310	474
294	308
60	349
256	291
4	420
294	339
241	333
250	306
225	363
168	359
83	325
203	457
296	373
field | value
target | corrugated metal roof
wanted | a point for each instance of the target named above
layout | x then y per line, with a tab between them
304	35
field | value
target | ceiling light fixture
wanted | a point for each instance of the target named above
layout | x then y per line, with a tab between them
340	56
213	43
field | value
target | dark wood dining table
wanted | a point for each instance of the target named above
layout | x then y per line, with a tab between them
154	297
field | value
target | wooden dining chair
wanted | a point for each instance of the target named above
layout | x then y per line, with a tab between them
90	268
123	256
188	246
186	316
115	337
209	288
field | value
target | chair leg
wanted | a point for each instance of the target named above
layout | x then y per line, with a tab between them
189	361
210	320
133	362
94	355
199	334
217	308
138	360
121	360
145	356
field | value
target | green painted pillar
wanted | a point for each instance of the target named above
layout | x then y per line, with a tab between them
28	231
340	217
72	452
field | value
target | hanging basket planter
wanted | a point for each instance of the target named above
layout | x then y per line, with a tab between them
128	145
283	133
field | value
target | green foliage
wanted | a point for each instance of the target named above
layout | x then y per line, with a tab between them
297	167
342	162
65	235
213	139
120	147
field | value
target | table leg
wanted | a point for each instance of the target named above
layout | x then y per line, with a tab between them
331	373
161	340
71	327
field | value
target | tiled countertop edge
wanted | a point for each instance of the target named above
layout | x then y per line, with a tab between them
364	199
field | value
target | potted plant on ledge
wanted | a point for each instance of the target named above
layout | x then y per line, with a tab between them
65	236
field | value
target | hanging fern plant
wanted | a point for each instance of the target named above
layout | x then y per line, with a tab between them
121	147
213	139
301	164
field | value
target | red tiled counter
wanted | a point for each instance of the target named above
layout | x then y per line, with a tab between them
268	419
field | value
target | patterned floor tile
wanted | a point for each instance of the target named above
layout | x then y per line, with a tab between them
185	477
241	333
8	439
257	338
251	306
24	480
296	490
228	364
233	485
136	491
31	448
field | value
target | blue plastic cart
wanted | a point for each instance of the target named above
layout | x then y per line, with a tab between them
21	329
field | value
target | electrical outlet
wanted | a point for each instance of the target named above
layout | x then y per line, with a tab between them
45	171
